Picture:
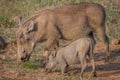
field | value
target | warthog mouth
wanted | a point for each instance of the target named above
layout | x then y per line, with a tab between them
48	70
44	61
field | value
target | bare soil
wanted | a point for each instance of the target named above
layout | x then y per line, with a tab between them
10	70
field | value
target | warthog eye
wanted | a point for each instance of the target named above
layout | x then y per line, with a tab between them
23	51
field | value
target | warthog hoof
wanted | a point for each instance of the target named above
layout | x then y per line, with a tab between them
94	74
107	59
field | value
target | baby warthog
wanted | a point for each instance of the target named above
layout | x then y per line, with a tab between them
74	53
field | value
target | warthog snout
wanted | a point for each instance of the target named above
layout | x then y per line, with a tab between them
23	59
44	61
47	70
26	58
25	55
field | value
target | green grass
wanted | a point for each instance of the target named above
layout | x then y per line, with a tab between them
30	65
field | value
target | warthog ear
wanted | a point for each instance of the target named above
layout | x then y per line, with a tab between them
32	27
20	21
54	54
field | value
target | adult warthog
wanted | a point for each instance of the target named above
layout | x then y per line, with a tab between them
68	22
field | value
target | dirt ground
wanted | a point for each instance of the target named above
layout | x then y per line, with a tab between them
10	70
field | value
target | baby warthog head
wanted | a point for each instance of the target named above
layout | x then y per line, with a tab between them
51	62
25	40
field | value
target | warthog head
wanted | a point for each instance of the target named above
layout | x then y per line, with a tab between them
25	40
51	62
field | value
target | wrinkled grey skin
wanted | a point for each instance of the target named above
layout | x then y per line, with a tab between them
74	53
68	22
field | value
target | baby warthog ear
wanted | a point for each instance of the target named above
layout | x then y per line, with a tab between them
20	21
20	35
31	27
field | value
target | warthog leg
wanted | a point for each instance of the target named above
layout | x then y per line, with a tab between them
52	43
63	68
83	63
105	40
93	65
52	40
